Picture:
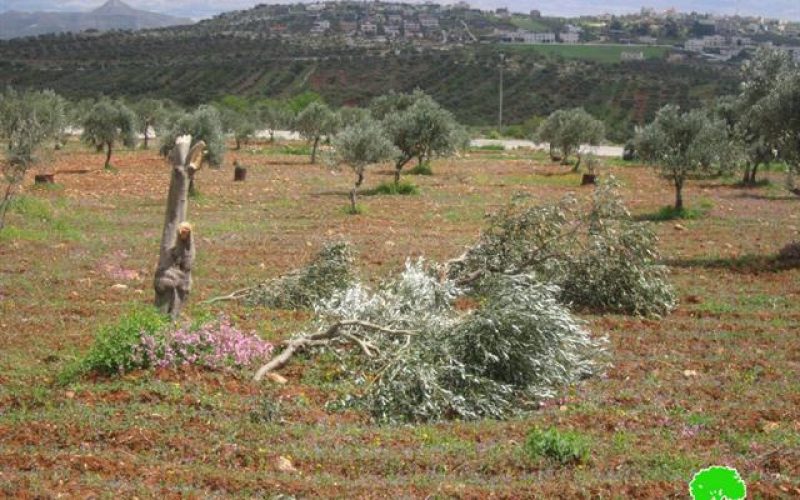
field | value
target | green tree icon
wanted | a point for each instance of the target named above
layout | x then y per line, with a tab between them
718	483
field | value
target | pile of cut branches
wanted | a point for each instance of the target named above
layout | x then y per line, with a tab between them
423	360
332	269
598	256
416	357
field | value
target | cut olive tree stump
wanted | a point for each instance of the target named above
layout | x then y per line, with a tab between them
239	172
173	276
44	179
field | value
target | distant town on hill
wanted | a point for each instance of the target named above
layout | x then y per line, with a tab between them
622	68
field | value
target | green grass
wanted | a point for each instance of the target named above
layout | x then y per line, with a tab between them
421	169
563	447
488	147
607	54
670	213
390	188
528	24
296	150
33	219
359	210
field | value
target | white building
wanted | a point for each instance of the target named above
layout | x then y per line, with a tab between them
533	38
569	37
369	28
694	45
321	26
428	22
715	42
631	56
392	31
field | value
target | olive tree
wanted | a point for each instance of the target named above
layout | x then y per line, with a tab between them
423	130
273	115
680	145
349	115
27	120
779	114
314	122
239	117
568	129
108	123
359	146
204	124
151	114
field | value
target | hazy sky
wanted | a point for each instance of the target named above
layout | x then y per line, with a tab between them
786	9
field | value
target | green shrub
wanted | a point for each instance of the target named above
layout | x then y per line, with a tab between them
113	350
670	213
421	169
390	188
565	448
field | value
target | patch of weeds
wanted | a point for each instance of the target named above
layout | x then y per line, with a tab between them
622	441
390	188
34	208
699	419
359	210
296	150
670	213
563	447
48	187
266	411
714	307
668	467
421	169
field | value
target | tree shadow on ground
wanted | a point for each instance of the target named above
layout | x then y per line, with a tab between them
745	264
759	196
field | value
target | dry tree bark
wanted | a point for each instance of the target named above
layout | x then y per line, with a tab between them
173	277
336	331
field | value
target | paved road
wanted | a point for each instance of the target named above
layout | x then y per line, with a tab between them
509	144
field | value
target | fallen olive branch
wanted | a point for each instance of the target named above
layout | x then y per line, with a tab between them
323	339
237	295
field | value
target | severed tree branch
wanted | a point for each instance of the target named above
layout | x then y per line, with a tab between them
324	338
236	295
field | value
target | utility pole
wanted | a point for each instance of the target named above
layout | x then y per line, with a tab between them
500	113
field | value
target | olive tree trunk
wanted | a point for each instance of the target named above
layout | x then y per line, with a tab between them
173	276
354	191
110	147
678	194
314	150
146	134
398	167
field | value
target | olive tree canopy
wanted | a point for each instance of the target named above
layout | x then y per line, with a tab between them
359	146
107	124
568	129
680	145
314	122
422	130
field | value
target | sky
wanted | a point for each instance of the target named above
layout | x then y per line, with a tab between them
197	9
